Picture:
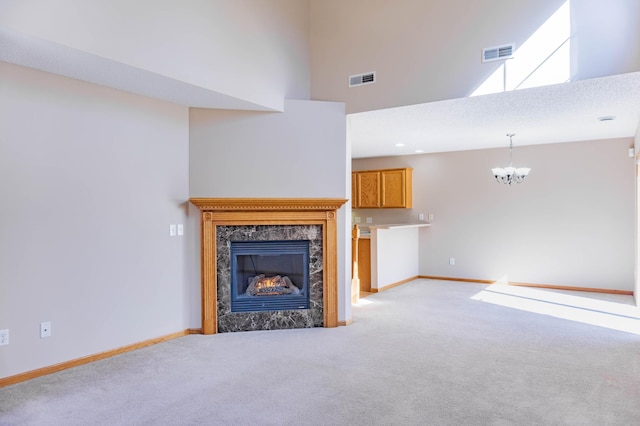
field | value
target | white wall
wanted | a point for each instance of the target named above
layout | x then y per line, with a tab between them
300	153
90	180
570	223
637	245
425	51
606	37
252	50
394	256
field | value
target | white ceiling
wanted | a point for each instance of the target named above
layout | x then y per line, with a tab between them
44	55
559	113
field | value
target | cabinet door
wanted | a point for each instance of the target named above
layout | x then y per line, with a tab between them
354	192
368	189
394	184
364	264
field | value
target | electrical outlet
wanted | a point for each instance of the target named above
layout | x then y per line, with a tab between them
45	329
180	229
421	216
172	231
369	220
4	337
452	261
430	217
357	219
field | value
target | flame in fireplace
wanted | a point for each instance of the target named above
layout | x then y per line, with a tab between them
270	285
261	285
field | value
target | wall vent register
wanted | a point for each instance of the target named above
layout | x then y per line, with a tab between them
362	79
498	53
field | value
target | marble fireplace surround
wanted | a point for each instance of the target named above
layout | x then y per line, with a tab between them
216	212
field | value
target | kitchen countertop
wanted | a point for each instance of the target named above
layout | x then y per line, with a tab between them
365	231
400	225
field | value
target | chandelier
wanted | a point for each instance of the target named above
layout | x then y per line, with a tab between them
510	174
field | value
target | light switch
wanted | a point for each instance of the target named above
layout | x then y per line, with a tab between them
369	220
180	229
172	230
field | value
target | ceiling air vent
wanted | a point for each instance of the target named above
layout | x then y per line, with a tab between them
498	53
362	79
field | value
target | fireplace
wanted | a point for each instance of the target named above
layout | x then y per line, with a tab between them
269	275
258	223
279	311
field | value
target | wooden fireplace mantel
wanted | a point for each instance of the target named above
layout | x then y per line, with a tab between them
267	211
268	204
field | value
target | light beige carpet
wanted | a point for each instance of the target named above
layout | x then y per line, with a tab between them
424	353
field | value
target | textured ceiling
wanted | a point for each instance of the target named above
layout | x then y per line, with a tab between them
559	113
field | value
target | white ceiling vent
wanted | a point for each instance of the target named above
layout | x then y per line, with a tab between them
362	79
498	53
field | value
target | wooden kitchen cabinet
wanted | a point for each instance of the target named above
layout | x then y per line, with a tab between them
396	186
364	264
367	193
389	188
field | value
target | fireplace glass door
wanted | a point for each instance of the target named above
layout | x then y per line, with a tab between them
269	275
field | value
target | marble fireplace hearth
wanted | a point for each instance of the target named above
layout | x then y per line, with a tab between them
259	219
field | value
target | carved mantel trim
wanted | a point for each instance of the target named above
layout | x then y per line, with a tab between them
267	204
267	211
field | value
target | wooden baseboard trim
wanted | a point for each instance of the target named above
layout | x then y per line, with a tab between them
563	287
548	286
345	323
195	331
22	377
464	280
396	284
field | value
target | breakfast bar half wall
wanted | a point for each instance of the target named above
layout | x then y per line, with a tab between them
394	254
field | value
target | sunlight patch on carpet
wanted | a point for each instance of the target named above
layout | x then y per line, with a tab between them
363	302
602	313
